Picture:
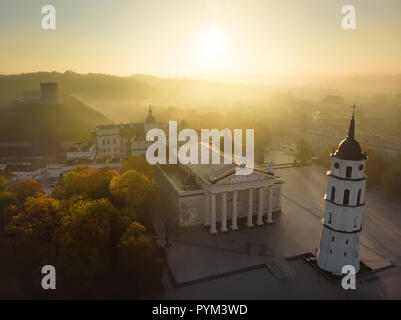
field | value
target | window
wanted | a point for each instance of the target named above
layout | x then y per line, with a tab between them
336	165
329	220
358	201
355	222
361	167
332	239
348	172
333	193
331	251
346	241
346	197
345	254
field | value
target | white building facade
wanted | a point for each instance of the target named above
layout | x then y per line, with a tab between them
214	196
344	200
120	141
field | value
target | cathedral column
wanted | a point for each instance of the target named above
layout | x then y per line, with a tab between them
249	223
213	229
234	224
260	207
224	212
270	206
279	196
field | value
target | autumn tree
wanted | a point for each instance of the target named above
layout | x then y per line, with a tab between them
84	232
132	189
8	207
30	235
139	268
140	164
100	251
85	181
4	183
37	221
27	188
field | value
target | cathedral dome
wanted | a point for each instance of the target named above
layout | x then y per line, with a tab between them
349	148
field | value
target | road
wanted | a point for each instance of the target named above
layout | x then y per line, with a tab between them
48	184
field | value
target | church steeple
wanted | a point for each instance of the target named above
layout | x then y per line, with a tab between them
351	130
344	200
150	118
349	148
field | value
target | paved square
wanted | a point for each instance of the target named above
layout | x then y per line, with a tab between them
196	257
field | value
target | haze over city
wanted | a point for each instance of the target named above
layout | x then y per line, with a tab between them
256	41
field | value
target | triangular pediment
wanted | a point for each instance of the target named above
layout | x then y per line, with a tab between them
256	175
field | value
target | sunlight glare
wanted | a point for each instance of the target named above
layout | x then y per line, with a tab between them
212	43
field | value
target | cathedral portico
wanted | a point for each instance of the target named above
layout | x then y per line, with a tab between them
253	201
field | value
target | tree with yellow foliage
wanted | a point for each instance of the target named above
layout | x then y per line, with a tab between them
139	163
88	182
27	188
131	189
36	221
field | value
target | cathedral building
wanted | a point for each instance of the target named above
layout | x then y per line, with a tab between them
213	195
344	200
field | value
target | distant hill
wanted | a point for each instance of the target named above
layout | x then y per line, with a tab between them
124	99
40	123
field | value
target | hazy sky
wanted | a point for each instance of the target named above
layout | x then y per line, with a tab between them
230	39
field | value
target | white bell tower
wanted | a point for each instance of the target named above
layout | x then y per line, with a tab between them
345	198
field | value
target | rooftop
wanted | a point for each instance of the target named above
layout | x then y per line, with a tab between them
80	147
178	177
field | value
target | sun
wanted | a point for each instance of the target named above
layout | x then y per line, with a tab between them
212	43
